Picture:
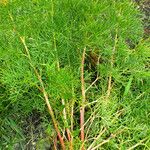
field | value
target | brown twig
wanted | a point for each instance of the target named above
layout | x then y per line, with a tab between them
44	94
83	99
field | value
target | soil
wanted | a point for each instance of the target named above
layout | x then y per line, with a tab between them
144	6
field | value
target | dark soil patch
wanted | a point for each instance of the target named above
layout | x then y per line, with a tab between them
144	6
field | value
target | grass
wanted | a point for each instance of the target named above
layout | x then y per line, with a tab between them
74	75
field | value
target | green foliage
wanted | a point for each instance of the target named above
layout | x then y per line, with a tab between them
56	32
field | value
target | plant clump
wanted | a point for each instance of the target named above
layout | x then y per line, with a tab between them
80	68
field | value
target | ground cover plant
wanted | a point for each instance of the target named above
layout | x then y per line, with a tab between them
74	75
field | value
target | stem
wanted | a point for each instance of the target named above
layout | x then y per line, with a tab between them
112	64
107	140
72	108
58	67
92	84
100	134
136	145
65	121
83	99
55	143
50	110
72	112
